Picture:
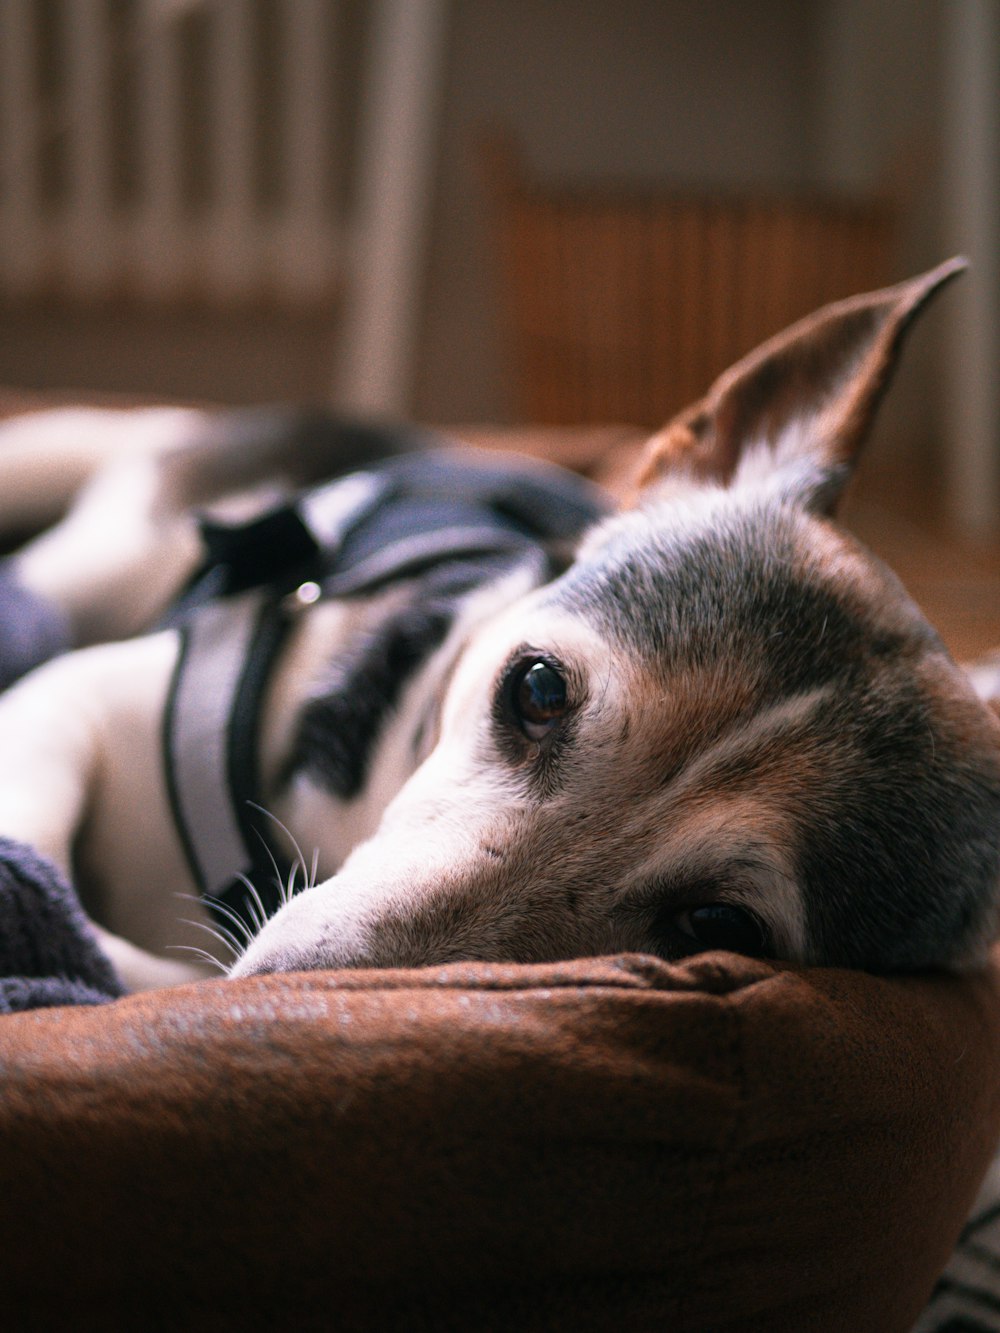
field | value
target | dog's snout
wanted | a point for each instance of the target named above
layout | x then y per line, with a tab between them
262	967
372	920
313	931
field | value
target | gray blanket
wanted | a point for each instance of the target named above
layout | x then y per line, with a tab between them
48	953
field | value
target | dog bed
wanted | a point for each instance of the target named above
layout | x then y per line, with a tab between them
610	1143
614	1143
722	1145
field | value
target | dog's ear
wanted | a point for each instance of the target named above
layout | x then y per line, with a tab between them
798	408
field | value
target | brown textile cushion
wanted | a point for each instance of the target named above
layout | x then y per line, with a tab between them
604	1144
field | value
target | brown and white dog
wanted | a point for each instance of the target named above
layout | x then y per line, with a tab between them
724	724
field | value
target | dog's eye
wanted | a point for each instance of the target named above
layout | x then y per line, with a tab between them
724	926
538	698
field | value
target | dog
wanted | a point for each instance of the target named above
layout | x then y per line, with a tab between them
710	720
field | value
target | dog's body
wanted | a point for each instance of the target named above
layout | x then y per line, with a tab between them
723	724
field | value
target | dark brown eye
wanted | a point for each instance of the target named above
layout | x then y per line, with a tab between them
538	698
724	926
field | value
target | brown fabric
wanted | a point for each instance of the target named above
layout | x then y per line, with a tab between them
721	1145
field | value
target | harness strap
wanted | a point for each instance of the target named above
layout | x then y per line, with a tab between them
210	746
410	555
230	641
213	650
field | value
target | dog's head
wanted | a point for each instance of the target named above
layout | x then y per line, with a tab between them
726	725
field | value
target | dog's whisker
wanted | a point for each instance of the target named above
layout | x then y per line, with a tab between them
246	928
203	954
299	854
276	872
217	905
286	889
225	910
219	932
254	904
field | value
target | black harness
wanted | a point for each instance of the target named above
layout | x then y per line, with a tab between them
410	518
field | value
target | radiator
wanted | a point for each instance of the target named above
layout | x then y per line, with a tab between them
169	150
624	304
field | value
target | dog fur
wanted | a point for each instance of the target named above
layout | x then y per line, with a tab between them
748	736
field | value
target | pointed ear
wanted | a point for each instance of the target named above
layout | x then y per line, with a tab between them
798	408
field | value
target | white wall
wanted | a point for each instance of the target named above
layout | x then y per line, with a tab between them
910	97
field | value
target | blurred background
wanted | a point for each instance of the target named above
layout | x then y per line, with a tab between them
503	211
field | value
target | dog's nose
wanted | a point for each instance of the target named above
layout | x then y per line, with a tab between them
260	960
246	966
260	967
304	936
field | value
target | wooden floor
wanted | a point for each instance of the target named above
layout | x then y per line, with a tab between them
957	583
